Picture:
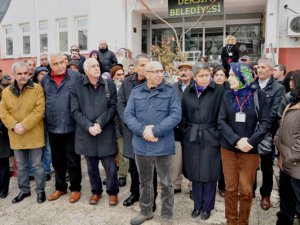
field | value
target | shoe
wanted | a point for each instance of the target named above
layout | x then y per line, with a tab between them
122	181
205	215
47	177
41	197
166	221
191	195
20	197
113	200
195	213
74	197
265	203
56	195
176	191
222	193
3	194
31	178
154	206
139	219
94	199
104	181
131	200
253	195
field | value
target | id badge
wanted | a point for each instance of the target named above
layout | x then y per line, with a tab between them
240	117
230	53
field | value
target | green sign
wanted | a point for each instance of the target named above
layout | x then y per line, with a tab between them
181	8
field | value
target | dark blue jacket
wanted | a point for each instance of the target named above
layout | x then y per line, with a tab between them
58	108
161	108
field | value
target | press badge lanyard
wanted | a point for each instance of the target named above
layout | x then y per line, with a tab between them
241	116
229	49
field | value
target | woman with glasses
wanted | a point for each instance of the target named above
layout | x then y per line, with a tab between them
200	144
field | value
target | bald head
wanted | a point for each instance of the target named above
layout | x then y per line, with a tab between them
103	44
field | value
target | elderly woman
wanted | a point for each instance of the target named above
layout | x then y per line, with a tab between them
287	141
201	148
230	53
240	136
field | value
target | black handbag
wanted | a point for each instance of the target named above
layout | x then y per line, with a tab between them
265	146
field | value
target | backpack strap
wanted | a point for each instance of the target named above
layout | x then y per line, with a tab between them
256	103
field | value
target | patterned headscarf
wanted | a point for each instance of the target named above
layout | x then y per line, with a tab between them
244	75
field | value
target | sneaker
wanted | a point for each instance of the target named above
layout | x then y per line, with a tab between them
139	219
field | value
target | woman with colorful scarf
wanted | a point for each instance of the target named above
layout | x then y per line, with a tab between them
240	136
200	144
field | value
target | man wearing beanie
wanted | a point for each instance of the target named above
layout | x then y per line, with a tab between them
152	112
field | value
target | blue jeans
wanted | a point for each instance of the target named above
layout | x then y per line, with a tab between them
35	156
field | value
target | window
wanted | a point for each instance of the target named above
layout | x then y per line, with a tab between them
25	31
82	33
9	50
43	26
63	34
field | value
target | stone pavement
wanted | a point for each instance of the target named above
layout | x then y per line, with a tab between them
61	212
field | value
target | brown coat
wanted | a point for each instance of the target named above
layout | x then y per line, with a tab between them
287	141
27	108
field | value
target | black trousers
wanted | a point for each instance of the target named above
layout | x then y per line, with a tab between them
289	192
64	158
135	182
4	175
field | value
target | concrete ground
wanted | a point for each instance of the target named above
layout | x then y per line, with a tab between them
61	212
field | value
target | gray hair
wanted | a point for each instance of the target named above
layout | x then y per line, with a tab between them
87	62
281	67
18	64
138	57
268	61
200	66
55	54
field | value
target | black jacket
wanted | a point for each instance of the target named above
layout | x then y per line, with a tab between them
89	106
123	95
108	59
200	137
4	141
232	131
58	108
225	53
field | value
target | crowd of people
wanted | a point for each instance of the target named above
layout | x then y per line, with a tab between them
214	126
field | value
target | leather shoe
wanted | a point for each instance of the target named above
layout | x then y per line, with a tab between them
122	181
191	195
176	191
265	203
113	200
94	199
56	195
20	197
47	177
131	200
41	197
74	197
195	213
3	194
205	215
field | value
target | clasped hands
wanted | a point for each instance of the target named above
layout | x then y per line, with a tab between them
95	129
19	129
148	134
244	145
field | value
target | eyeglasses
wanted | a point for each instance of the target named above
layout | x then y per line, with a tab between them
185	70
74	50
119	74
155	71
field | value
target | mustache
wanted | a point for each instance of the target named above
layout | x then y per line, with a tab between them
183	75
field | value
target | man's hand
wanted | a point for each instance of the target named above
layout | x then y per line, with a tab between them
19	129
148	134
243	145
95	129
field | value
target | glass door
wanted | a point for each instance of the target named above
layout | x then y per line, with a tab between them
213	43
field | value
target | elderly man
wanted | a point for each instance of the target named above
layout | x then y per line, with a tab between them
152	111
94	106
61	127
274	93
107	57
44	61
22	110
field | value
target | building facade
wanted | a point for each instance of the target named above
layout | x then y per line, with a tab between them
32	27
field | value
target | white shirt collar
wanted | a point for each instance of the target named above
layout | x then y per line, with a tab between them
263	84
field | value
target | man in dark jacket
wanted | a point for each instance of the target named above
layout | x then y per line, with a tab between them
152	112
107	57
95	138
61	127
274	93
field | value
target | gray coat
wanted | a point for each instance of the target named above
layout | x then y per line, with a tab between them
89	106
200	135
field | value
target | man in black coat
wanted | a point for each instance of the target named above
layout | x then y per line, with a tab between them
274	92
107	57
128	84
93	106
